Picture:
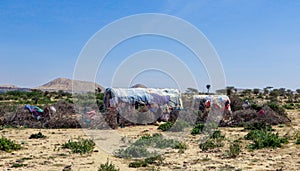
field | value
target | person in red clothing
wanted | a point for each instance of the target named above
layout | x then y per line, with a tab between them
261	112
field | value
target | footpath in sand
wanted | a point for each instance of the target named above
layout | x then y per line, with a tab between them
47	154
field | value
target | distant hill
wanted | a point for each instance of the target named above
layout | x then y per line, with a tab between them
8	86
139	86
66	84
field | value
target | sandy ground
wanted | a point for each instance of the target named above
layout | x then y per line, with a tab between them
47	154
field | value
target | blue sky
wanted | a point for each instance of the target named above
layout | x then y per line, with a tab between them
257	41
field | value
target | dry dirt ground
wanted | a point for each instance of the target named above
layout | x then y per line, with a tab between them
47	154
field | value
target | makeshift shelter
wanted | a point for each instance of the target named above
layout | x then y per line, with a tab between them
117	97
133	103
206	101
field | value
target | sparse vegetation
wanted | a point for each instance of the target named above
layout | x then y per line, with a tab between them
215	140
108	166
37	136
144	163
8	145
277	108
258	126
16	165
138	149
81	146
165	126
217	135
198	128
209	144
260	135
264	139
178	126
234	149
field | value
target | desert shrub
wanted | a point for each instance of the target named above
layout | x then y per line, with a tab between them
198	129
254	134
258	126
156	141
138	163
16	165
81	146
108	166
297	141
8	145
138	149
133	151
289	106
277	108
165	126
37	136
214	141
217	135
263	139
209	144
234	150
144	163
181	145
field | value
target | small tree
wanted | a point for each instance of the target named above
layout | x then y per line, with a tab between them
229	90
247	92
282	92
208	87
256	91
191	91
274	93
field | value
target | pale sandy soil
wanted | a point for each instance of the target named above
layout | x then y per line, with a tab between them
46	154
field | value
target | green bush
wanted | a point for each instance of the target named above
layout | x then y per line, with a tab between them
289	106
144	163
81	146
108	166
138	163
133	152
16	165
217	135
156	141
165	126
263	139
277	108
209	144
8	145
37	136
255	107
198	129
298	141
258	126
138	149
214	141
234	150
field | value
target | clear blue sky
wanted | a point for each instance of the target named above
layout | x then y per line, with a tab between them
257	41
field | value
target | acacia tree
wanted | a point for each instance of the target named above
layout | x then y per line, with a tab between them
256	91
267	90
191	91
